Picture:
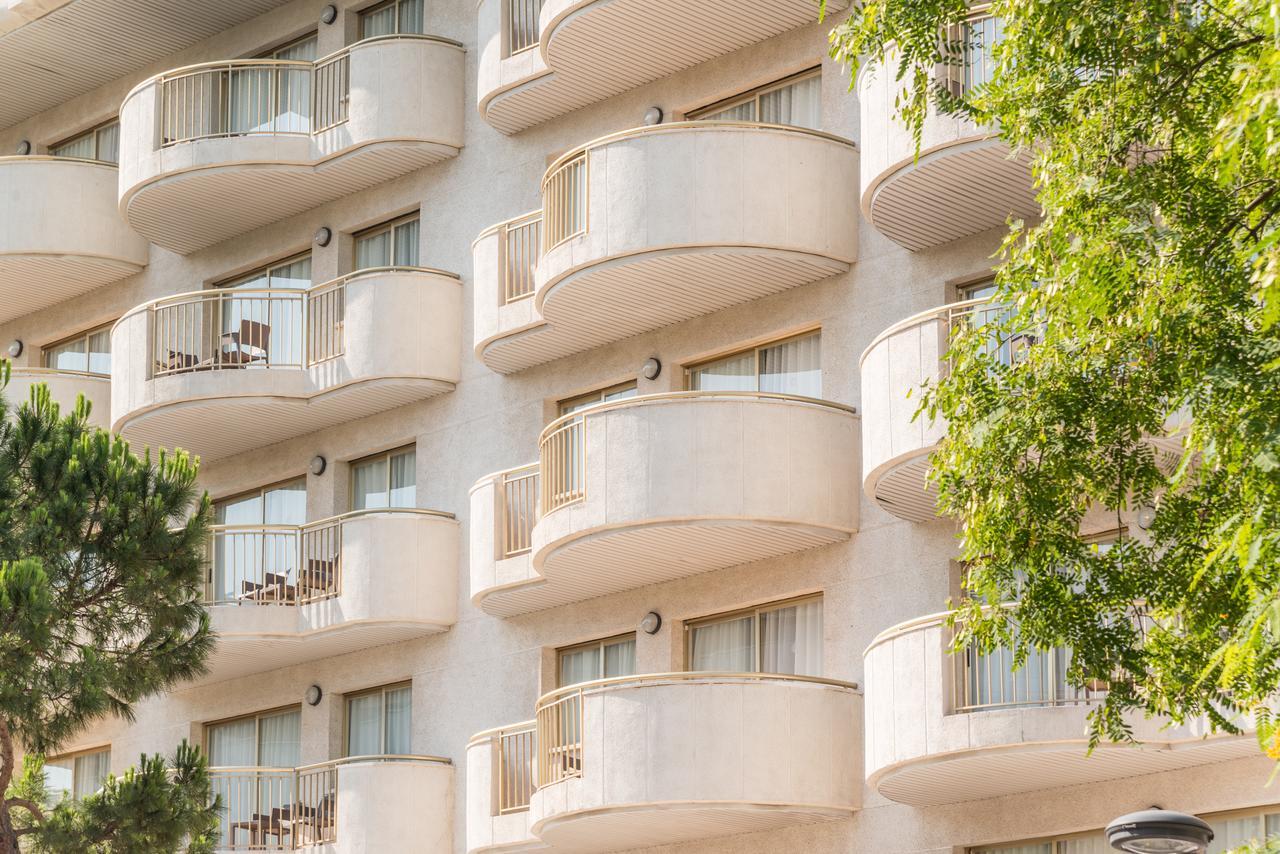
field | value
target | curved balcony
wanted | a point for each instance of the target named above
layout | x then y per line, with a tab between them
345	806
501	778
64	388
283	594
218	372
211	151
942	729
660	487
673	757
543	58
963	182
59	226
656	225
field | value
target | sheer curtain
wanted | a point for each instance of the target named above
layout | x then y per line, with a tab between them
373	250
798	104
791	640
81	146
406	240
369	485
364	725
579	665
744	112
737	373
70	356
91	772
404	480
410	19
793	367
399	714
100	352
381	22
280	740
620	659
726	646
109	143
233	745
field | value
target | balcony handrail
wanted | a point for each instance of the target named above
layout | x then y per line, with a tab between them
61	158
19	370
685	676
340	517
479	738
333	763
498	226
941	313
519	498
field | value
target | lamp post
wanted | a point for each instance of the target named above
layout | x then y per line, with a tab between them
1157	831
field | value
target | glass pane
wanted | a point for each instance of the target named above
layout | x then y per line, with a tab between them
980	36
736	373
286	504
380	22
91	772
280	740
373	250
406	240
232	745
1230	833
620	394
100	351
984	290
725	646
411	16
59	779
620	658
579	665
249	97
369	485
798	104
303	50
295	274
239	511
364	725
399	712
793	367
744	112
1094	844
791	640
81	146
70	356
404	480
109	143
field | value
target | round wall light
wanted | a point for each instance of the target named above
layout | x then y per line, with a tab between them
24	147
1156	831
650	623
653	116
15	348
1146	516
323	235
313	695
329	14
651	368
318	465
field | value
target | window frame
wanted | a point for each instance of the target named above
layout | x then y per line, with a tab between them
384	455
73	755
261	493
599	643
363	14
726	355
83	335
387	226
752	95
270	53
208	726
728	616
76	137
599	394
382	722
233	282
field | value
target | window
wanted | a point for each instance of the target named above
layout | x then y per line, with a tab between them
781	638
387	480
390	18
255	557
100	143
973	41
263	329
392	244
89	351
76	775
294	272
792	366
263	740
302	49
281	504
796	100
378	721
1230	830
602	659
604	395
978	290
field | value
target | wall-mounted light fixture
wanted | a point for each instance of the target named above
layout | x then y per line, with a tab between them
323	235
24	147
650	623
329	14
318	465
651	368
653	116
1146	516
15	348
313	695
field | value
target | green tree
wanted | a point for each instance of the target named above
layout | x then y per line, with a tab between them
100	583
1150	284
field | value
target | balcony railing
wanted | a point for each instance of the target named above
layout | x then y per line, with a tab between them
514	763
522	25
276	809
520	245
972	41
563	466
559	737
988	680
519	509
564	199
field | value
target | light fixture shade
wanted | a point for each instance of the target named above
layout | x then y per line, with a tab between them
24	147
651	368
653	116
318	465
314	694
323	235
329	14
1159	832
650	623
15	348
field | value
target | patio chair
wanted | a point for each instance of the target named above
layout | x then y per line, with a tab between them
251	344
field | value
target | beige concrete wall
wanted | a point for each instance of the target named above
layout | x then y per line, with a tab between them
64	388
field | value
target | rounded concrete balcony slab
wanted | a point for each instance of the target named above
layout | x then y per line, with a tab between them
943	729
218	372
192	176
501	778
540	63
280	595
665	758
64	388
657	225
655	488
59	226
963	182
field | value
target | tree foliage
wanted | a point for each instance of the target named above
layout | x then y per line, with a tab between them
1150	285
100	580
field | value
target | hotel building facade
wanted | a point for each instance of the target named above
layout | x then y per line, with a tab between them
548	363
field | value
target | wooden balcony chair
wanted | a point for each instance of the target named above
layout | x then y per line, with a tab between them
275	588
319	577
176	360
248	346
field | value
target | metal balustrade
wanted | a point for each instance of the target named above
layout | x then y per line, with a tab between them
514	763
988	680
520	244
970	42
564	200
276	809
331	90
563	463
559	738
522	25
519	509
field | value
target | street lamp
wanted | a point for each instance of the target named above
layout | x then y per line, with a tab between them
1156	831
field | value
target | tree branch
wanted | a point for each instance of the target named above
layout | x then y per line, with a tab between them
30	806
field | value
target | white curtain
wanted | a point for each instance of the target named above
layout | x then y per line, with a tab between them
744	112
70	356
793	367
1095	843
381	22
364	725
100	352
1231	833
620	659
404	480
410	20
406	240
373	250
791	640
233	745
91	772
726	646
799	104
81	146
109	143
399	716
369	485
280	740
579	665
59	779
736	373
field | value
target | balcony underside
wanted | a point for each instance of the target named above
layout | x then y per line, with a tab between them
617	298
616	559
951	192
994	772
31	282
624	828
188	210
217	427
600	48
